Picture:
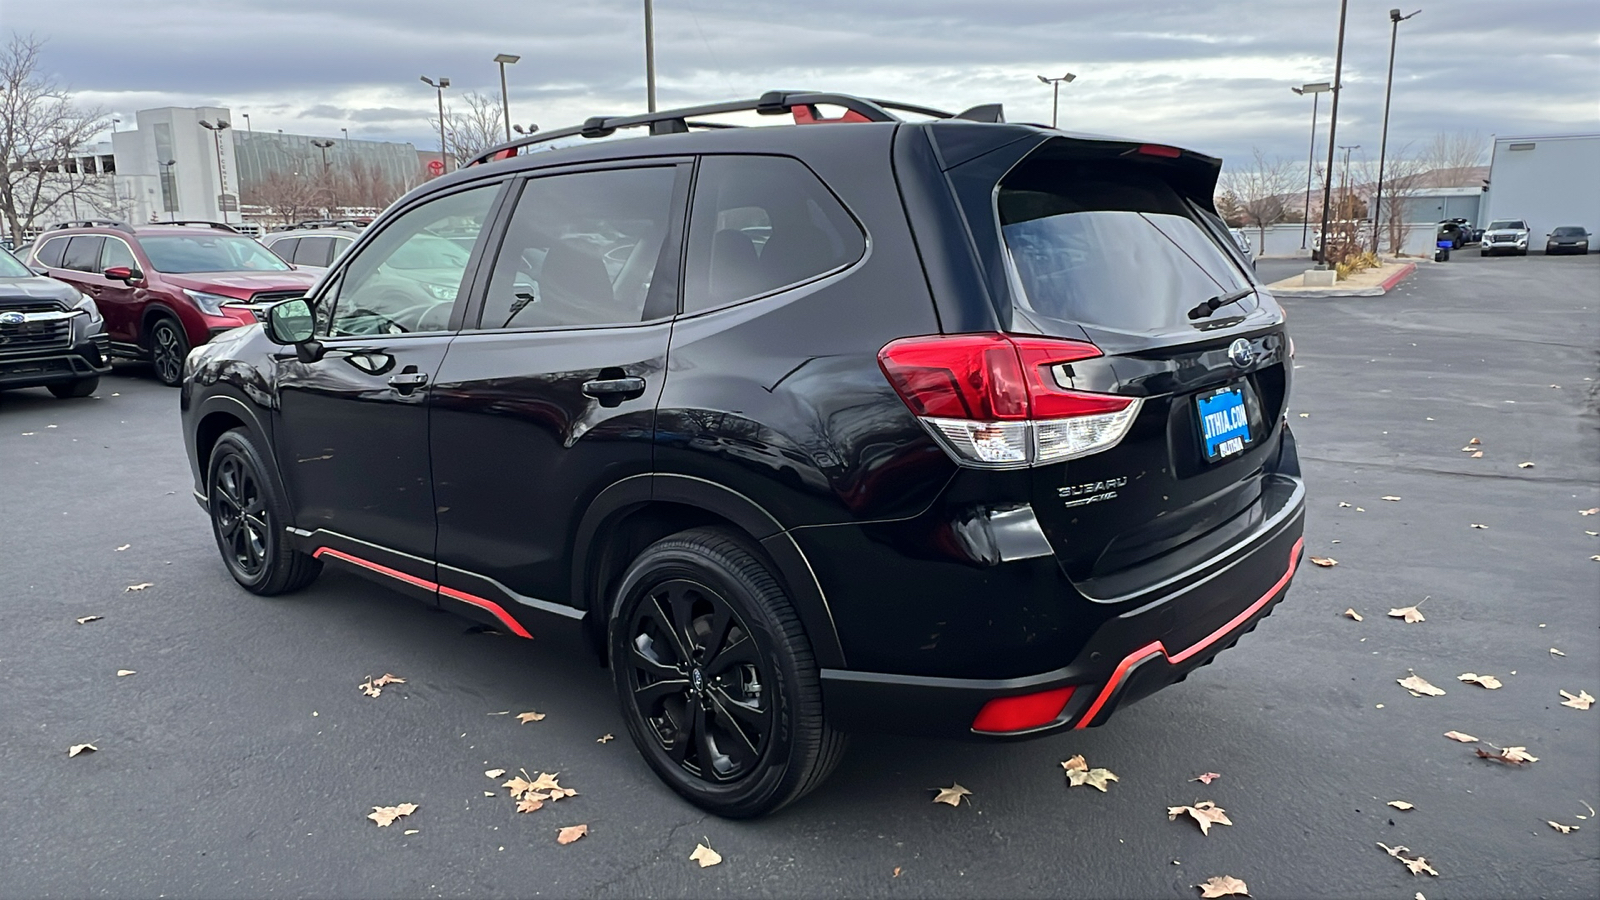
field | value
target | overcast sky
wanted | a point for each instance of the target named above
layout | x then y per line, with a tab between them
1211	76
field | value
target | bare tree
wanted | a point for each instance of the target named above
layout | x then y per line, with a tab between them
40	130
290	197
1260	191
1403	174
365	187
468	133
1450	157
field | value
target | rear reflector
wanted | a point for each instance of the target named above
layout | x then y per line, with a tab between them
994	401
1009	714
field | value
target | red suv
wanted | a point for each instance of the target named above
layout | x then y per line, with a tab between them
162	288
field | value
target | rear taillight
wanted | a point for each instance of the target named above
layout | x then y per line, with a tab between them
994	400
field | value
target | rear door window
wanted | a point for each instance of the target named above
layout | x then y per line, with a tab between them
762	223
1107	245
284	248
50	253
83	253
313	251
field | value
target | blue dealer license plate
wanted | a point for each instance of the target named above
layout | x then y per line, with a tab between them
1224	425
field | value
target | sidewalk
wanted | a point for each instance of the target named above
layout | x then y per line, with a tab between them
1370	283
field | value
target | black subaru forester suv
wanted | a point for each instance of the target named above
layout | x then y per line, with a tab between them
891	420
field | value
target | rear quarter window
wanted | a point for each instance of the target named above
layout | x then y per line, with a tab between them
50	252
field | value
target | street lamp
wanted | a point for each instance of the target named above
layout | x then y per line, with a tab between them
1055	92
247	126
333	197
650	55
169	192
1383	145
525	131
216	130
440	85
505	100
1315	90
1333	134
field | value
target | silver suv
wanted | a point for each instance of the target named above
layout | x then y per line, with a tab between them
1505	235
312	246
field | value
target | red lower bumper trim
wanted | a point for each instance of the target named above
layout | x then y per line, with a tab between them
488	606
1154	647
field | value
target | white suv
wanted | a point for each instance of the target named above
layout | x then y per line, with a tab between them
312	248
1505	235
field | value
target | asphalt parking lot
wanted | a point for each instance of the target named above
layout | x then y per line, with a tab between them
241	760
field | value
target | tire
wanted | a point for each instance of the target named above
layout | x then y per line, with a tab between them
676	699
83	387
168	347
1483	253
248	516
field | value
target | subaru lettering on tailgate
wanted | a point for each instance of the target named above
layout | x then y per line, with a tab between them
1223	423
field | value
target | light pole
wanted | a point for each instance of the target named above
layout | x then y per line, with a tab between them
1333	134
333	196
650	54
1315	90
1383	145
444	155
1345	209
1055	92
216	130
505	100
169	189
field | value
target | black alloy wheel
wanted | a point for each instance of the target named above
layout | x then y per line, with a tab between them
168	348
247	519
717	683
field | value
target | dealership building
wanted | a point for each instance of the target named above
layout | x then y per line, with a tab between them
1547	180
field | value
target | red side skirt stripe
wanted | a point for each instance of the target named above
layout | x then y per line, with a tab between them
489	606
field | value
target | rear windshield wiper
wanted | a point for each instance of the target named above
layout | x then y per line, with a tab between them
1205	309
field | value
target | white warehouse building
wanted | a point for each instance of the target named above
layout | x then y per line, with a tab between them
1547	180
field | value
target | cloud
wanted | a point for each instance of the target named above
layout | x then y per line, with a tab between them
1206	74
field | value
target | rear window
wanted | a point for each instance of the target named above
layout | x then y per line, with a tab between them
1111	245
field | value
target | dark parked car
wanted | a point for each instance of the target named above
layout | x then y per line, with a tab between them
1457	231
165	288
1567	239
953	427
50	334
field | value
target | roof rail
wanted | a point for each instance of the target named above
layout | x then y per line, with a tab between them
92	223
773	103
310	224
219	226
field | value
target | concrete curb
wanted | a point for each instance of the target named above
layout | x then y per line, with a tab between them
1377	290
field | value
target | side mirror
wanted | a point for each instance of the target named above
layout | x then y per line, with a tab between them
291	323
124	274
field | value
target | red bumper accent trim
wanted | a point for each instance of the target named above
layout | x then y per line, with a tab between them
1154	647
489	606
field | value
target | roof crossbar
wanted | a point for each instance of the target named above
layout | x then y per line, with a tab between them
678	121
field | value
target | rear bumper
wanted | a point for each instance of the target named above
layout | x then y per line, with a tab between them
87	359
1132	655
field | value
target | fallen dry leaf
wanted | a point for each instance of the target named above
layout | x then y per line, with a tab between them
529	716
412	831
1417	866
1327	562
1079	773
1582	701
494	773
952	794
1305	415
1401	805
1463	738
1343	505
373	687
1205	814
604	738
1411	614
1564	829
122	548
138	587
1524	465
1476	454
1590	511
1222	886
1487	681
1476	525
76	749
1515	756
1206	778
84	620
531	803
705	856
518	786
1390	497
1352	614
1419	686
385	815
1555	652
1474	442
896	872
571	833
388	679
124	673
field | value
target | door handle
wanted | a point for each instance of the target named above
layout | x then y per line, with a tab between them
406	382
614	390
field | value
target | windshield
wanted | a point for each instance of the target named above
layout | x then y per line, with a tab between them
1499	224
1568	231
181	254
11	268
1112	246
